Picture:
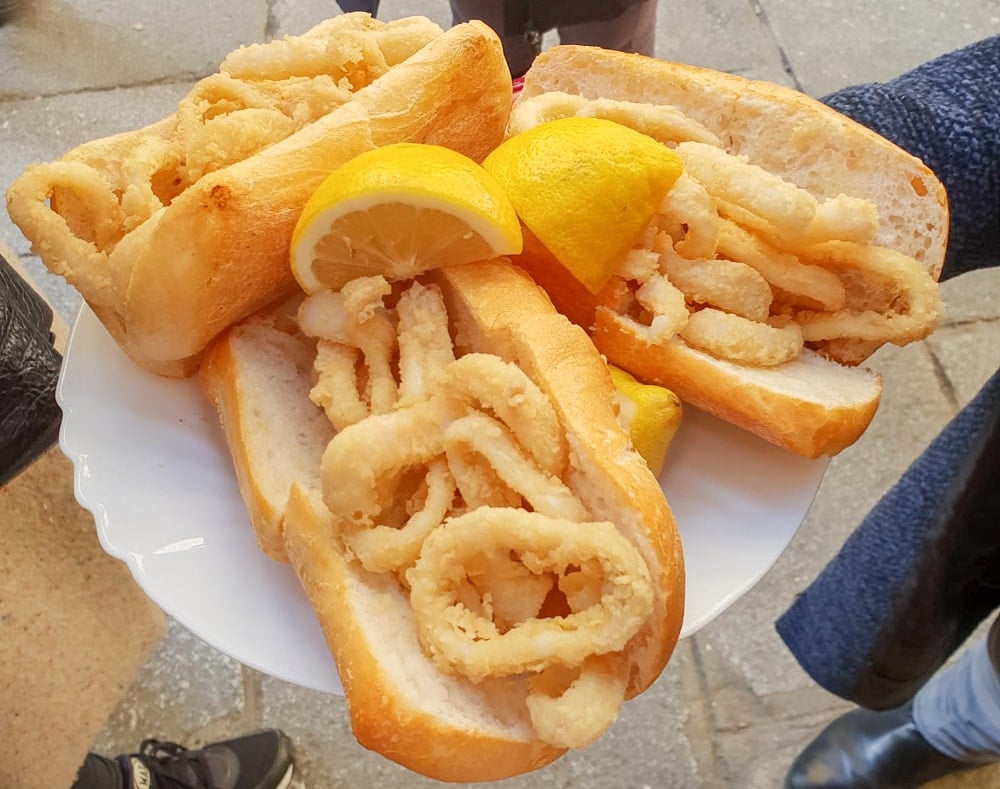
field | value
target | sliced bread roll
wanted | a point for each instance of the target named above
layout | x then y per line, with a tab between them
403	701
890	208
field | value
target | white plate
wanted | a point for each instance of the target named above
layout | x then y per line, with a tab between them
151	464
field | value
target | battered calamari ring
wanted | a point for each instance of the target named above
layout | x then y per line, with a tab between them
384	548
464	641
489	383
572	711
485	436
358	462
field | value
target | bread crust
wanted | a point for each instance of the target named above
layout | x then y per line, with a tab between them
388	713
803	141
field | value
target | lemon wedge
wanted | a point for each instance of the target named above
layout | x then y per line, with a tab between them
586	187
650	413
400	210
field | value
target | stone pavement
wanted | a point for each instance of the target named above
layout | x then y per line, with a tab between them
733	708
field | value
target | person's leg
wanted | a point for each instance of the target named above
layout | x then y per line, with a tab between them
371	6
634	30
958	710
520	45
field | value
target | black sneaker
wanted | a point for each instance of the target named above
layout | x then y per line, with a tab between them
261	760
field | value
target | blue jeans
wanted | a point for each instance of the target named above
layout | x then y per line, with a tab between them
958	710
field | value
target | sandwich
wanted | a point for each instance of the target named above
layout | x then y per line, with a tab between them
793	245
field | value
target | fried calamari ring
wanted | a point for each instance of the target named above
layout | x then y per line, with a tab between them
737	339
356	317
915	312
386	548
358	463
664	302
488	383
732	179
482	435
425	347
664	122
336	389
731	286
85	239
139	200
692	208
571	709
501	587
463	641
782	270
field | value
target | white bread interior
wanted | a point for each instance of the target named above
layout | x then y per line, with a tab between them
258	375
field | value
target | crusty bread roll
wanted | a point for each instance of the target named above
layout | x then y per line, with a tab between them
402	703
819	402
173	232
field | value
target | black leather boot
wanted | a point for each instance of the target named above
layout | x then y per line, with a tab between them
881	750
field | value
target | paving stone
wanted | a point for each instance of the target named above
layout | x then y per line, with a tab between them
974	296
183	687
830	45
105	45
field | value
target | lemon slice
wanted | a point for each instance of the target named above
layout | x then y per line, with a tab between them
650	413
398	211
586	187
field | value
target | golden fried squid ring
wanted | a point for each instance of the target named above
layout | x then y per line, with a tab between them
488	383
93	232
664	302
385	548
501	587
917	293
737	339
732	179
139	200
464	641
480	434
425	347
693	210
782	270
358	470
664	122
356	318
336	390
571	709
342	47
731	286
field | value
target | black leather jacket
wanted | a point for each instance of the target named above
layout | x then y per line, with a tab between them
29	370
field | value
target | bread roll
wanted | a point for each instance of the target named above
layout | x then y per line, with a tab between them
402	703
819	402
168	258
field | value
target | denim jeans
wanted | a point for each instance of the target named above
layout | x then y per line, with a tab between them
958	710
